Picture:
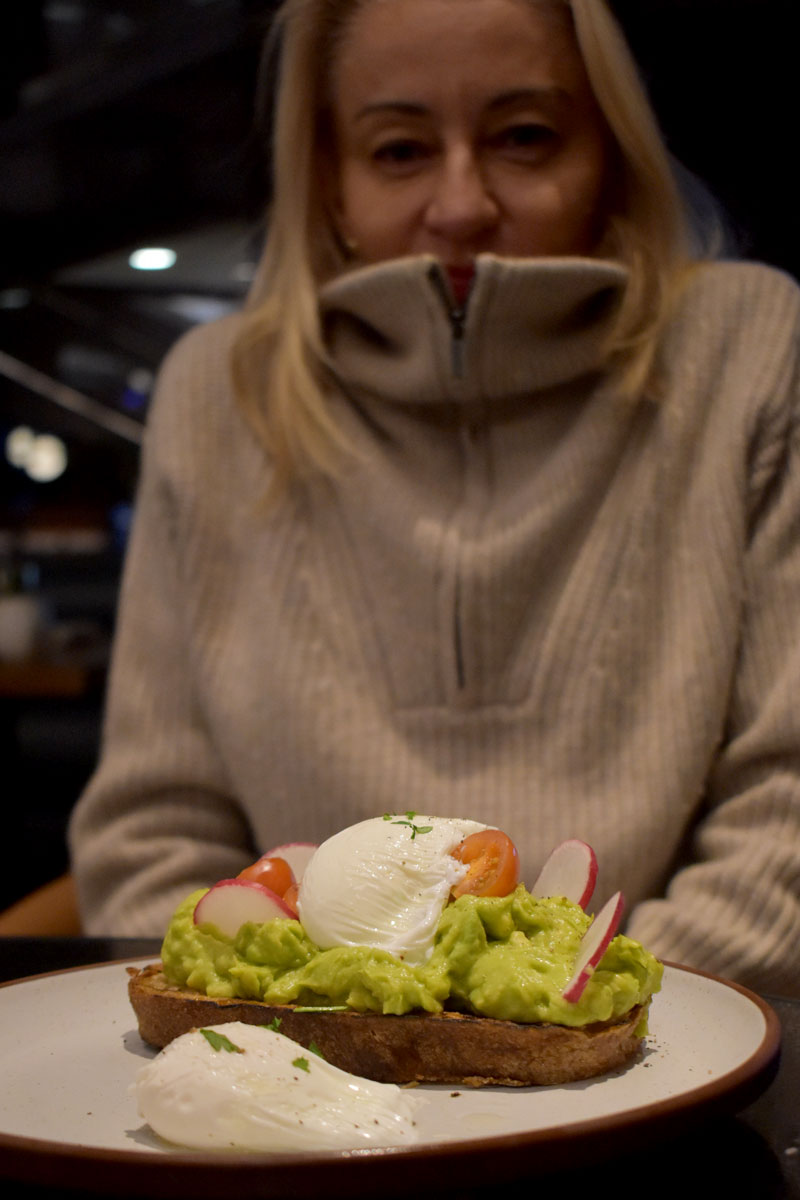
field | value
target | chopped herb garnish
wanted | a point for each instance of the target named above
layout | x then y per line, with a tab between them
409	822
218	1041
314	1048
274	1024
301	1064
415	829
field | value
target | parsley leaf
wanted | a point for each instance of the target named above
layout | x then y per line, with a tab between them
218	1041
301	1063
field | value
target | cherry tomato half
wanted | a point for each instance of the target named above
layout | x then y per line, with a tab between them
492	864
274	873
290	897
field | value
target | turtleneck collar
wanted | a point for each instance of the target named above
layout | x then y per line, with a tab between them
394	331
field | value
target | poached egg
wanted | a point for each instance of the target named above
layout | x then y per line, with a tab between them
247	1087
384	883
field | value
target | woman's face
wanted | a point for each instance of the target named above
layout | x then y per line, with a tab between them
461	127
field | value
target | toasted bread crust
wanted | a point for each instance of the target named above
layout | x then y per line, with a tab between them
446	1047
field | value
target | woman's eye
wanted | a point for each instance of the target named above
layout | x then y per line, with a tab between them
400	153
528	137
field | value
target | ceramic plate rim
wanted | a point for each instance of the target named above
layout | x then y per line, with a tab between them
30	1158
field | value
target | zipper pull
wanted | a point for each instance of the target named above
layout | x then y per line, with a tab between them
457	315
458	321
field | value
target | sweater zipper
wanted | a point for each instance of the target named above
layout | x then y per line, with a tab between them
457	316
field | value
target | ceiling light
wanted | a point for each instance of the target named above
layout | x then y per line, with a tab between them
153	258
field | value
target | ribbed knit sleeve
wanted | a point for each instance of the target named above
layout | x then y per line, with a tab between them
157	820
736	909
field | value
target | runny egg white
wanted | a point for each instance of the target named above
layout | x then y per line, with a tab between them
383	883
266	1094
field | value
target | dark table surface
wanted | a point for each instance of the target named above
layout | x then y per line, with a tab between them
755	1153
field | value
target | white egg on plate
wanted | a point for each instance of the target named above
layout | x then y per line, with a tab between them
247	1087
384	883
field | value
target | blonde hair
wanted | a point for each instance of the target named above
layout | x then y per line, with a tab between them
279	357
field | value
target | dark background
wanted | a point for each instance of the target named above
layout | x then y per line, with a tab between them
125	122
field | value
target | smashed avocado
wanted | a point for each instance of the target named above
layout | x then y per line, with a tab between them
508	957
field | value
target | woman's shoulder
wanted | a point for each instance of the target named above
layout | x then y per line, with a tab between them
194	378
736	309
738	288
194	418
203	351
735	334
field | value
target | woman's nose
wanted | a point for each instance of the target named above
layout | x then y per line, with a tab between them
461	206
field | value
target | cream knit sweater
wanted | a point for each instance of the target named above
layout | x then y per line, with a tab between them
525	600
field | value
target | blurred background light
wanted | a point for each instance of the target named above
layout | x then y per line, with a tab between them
42	456
153	258
19	445
48	458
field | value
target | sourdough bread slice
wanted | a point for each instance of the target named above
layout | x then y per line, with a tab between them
447	1047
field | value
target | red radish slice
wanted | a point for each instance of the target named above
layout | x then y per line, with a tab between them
593	946
571	871
297	854
232	902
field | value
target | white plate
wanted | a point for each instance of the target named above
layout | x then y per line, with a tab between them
70	1050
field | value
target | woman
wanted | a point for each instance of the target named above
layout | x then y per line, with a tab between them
484	506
